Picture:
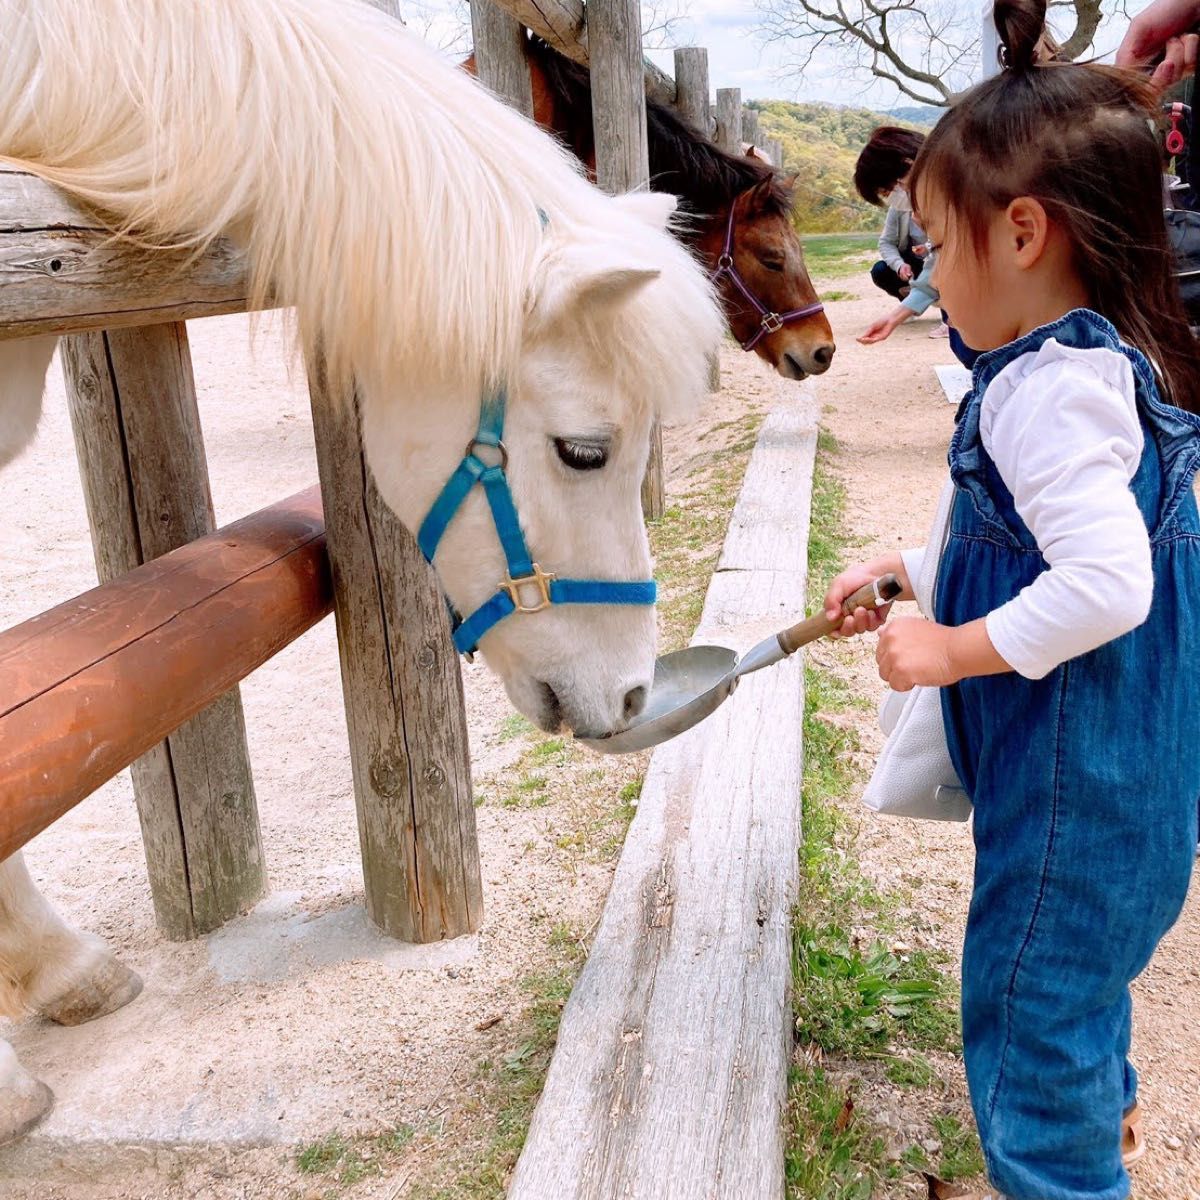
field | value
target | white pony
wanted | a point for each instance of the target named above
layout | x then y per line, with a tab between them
437	246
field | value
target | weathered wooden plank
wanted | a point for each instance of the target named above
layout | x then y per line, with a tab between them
563	24
141	456
500	63
404	700
691	87
729	120
61	271
669	1078
765	534
91	685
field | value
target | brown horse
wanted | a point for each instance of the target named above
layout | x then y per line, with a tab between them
739	209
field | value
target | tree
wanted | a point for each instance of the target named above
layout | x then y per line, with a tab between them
927	49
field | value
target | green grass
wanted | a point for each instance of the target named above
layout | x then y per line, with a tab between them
961	1156
836	255
834	296
336	1156
856	1000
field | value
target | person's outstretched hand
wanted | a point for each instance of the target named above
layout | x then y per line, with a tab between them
883	329
863	620
1163	28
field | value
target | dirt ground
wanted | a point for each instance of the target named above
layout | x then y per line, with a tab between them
893	423
297	1021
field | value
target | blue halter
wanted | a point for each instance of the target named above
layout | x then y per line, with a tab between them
522	571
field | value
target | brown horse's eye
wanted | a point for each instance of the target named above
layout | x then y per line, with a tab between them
581	455
772	264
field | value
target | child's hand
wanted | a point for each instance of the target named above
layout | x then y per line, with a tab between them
862	620
914	651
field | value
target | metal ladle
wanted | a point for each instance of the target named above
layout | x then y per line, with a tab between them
689	684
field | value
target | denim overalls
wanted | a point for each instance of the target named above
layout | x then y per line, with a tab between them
1085	787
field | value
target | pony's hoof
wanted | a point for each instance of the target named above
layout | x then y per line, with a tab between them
24	1101
110	986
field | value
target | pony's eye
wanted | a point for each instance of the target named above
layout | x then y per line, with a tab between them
772	264
581	455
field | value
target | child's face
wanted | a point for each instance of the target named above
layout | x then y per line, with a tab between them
973	281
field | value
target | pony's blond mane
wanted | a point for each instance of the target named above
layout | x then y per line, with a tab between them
386	196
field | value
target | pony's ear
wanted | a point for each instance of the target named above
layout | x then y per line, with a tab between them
655	208
762	196
592	285
611	286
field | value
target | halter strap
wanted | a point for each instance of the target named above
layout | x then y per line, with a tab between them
769	322
524	575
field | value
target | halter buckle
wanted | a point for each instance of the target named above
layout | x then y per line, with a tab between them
498	445
725	262
539	579
772	322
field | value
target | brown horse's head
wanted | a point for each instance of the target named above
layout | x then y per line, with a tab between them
769	262
767	256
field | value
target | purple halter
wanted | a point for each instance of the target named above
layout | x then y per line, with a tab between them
771	322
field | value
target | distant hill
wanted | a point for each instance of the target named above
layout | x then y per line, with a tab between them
821	143
923	114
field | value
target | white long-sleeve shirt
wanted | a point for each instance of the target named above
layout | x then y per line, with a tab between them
1061	425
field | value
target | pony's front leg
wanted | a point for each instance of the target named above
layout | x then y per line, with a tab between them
52	969
24	1101
49	968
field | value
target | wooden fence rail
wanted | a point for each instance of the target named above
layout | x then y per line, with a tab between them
87	687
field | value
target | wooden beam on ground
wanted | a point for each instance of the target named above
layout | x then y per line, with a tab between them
404	699
669	1078
91	685
141	456
563	24
61	272
729	120
500	63
622	150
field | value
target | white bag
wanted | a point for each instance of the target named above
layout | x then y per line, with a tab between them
914	776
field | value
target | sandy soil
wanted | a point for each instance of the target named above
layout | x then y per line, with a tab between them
884	406
298	1020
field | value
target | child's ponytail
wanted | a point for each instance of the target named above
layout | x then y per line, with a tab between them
1021	25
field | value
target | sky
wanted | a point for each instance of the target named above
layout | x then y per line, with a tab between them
737	55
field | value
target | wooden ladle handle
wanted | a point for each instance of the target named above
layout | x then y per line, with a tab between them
879	592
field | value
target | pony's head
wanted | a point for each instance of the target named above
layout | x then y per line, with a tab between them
768	257
618	328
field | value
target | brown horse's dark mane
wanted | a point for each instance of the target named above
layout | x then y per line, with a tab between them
682	162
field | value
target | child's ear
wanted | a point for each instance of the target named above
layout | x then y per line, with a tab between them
1028	227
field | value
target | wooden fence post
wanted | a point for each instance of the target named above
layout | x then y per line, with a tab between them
691	87
500	55
622	154
729	120
141	455
404	698
750	133
774	147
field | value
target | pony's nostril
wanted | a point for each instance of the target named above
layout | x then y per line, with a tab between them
824	355
635	702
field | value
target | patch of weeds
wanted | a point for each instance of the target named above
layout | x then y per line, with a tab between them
833	296
833	1154
515	726
552	749
395	1140
528	792
911	1071
961	1155
631	792
335	1155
